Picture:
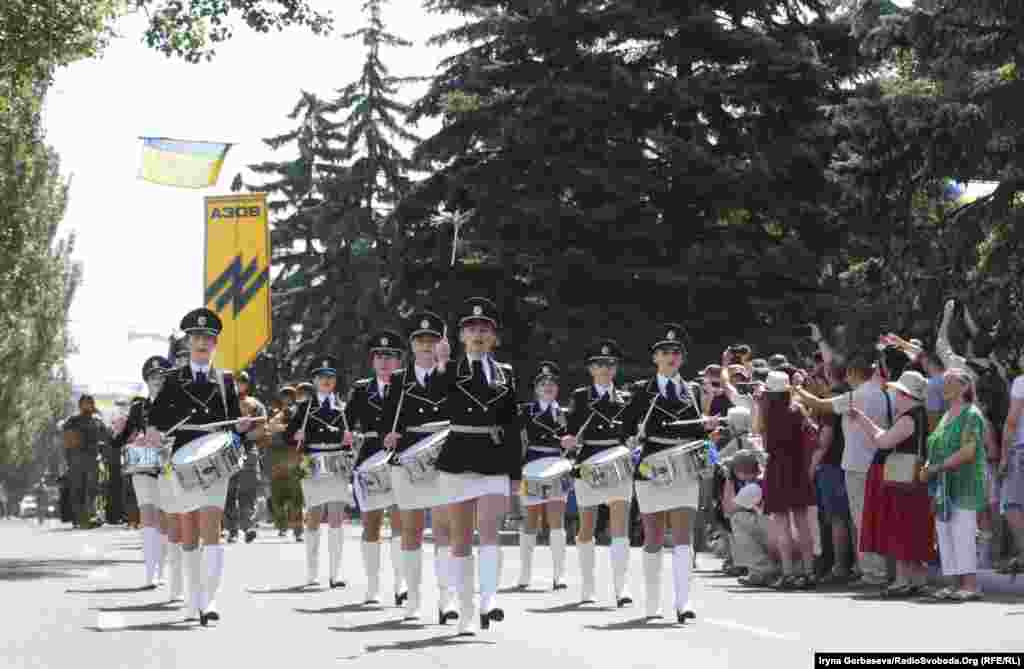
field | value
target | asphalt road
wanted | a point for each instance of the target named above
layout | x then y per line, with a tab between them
70	599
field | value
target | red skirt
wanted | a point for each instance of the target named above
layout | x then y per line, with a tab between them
896	520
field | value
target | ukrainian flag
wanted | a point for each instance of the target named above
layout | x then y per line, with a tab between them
185	164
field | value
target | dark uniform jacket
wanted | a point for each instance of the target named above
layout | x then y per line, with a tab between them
138	423
542	432
474	402
421	404
325	428
649	404
95	433
607	422
211	401
364	411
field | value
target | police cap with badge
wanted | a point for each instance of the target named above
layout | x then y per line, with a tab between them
386	342
605	350
671	337
547	371
324	365
479	309
426	323
156	365
201	321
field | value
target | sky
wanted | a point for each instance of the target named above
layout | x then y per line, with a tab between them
142	244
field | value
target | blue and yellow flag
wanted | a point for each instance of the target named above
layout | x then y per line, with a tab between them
185	164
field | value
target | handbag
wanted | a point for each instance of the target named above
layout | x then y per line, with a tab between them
903	469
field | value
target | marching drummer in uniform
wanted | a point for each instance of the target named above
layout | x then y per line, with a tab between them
364	411
415	411
154	522
481	457
544	424
195	395
595	426
657	403
319	426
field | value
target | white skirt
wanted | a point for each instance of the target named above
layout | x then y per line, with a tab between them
316	492
463	487
168	504
147	490
377	501
411	496
588	496
526	500
198	498
654	498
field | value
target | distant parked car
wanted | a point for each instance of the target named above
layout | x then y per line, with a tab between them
29	506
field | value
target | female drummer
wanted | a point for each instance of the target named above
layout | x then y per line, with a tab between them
544	425
319	426
154	522
415	410
656	404
595	426
364	412
194	395
481	456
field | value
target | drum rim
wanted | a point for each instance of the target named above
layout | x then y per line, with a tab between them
535	477
607	451
195	443
383	461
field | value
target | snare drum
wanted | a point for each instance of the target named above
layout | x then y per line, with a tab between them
330	464
680	465
419	461
142	459
373	482
205	461
608	469
546	480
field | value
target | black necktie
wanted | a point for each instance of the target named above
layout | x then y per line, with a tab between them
200	377
326	404
384	392
670	391
478	373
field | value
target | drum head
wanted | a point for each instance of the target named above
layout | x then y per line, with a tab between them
376	460
427	443
543	468
612	453
201	447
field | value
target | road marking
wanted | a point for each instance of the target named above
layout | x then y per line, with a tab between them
752	630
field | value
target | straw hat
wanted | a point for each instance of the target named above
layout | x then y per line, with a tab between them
912	384
777	382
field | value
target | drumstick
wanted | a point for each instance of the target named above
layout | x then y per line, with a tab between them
696	421
305	419
401	399
177	425
224	423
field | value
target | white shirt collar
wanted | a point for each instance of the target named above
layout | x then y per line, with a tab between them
320	397
205	369
663	380
545	406
421	373
602	390
485	358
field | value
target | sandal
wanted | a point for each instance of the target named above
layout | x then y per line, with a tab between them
944	594
755	581
966	596
901	591
787	582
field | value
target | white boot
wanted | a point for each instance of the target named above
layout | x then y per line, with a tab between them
557	542
150	554
652	579
588	566
445	582
413	561
176	578
527	544
193	570
213	567
313	556
620	569
335	537
161	561
397	568
371	563
464	580
681	561
490	566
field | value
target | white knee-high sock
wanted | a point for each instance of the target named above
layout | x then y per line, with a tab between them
527	544
652	580
193	569
176	579
413	562
312	556
161	560
213	568
371	563
150	552
681	576
335	537
619	553
397	565
557	542
443	574
588	567
488	577
464	580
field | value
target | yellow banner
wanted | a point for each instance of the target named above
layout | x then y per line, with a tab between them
237	276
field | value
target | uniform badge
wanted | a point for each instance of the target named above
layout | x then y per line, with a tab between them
671	336
546	370
326	364
383	341
424	324
478	310
201	320
605	350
